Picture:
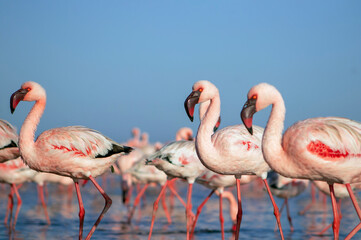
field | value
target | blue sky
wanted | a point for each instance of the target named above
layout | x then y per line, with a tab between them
113	65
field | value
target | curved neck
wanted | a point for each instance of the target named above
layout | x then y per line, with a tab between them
273	151
206	151
27	132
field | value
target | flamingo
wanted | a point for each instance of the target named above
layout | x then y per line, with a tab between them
231	150
325	148
179	160
286	188
15	172
184	133
134	142
76	152
8	141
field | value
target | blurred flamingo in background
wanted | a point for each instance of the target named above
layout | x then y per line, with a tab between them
8	142
325	149
231	150
76	152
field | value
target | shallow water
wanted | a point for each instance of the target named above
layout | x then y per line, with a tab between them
258	219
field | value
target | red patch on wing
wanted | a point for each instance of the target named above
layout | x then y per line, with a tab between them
9	166
249	144
324	151
183	160
72	149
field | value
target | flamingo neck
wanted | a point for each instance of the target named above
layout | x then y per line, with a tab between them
206	151
27	132
233	205
273	151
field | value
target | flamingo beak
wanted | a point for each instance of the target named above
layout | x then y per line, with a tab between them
217	124
248	110
191	102
16	97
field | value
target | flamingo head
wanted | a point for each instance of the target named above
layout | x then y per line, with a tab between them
258	98
29	91
202	91
135	132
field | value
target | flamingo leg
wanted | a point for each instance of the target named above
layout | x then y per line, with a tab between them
313	200
108	203
239	213
289	215
221	219
276	211
189	209
81	209
166	209
281	209
330	225
199	209
358	211
171	188
18	205
41	195
336	220
136	201
9	210
155	207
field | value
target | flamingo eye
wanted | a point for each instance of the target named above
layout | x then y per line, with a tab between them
200	90
254	97
28	89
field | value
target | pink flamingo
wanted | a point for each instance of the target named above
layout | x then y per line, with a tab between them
286	188
325	149
15	172
134	142
179	160
217	182
184	133
231	150
76	152
8	142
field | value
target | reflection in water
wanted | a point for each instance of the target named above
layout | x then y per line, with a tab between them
258	219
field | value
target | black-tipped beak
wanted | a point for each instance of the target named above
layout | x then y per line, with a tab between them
16	97
248	110
191	102
217	124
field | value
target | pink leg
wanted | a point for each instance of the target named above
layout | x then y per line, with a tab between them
221	219
313	200
81	209
239	214
281	209
330	225
336	219
289	215
189	209
166	209
108	203
155	207
41	195
276	211
136	202
9	209
358	211
70	194
18	205
199	209
177	195
46	192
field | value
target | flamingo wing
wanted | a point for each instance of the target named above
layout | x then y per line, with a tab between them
79	141
330	138
8	135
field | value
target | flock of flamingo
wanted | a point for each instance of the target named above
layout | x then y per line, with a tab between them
326	151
